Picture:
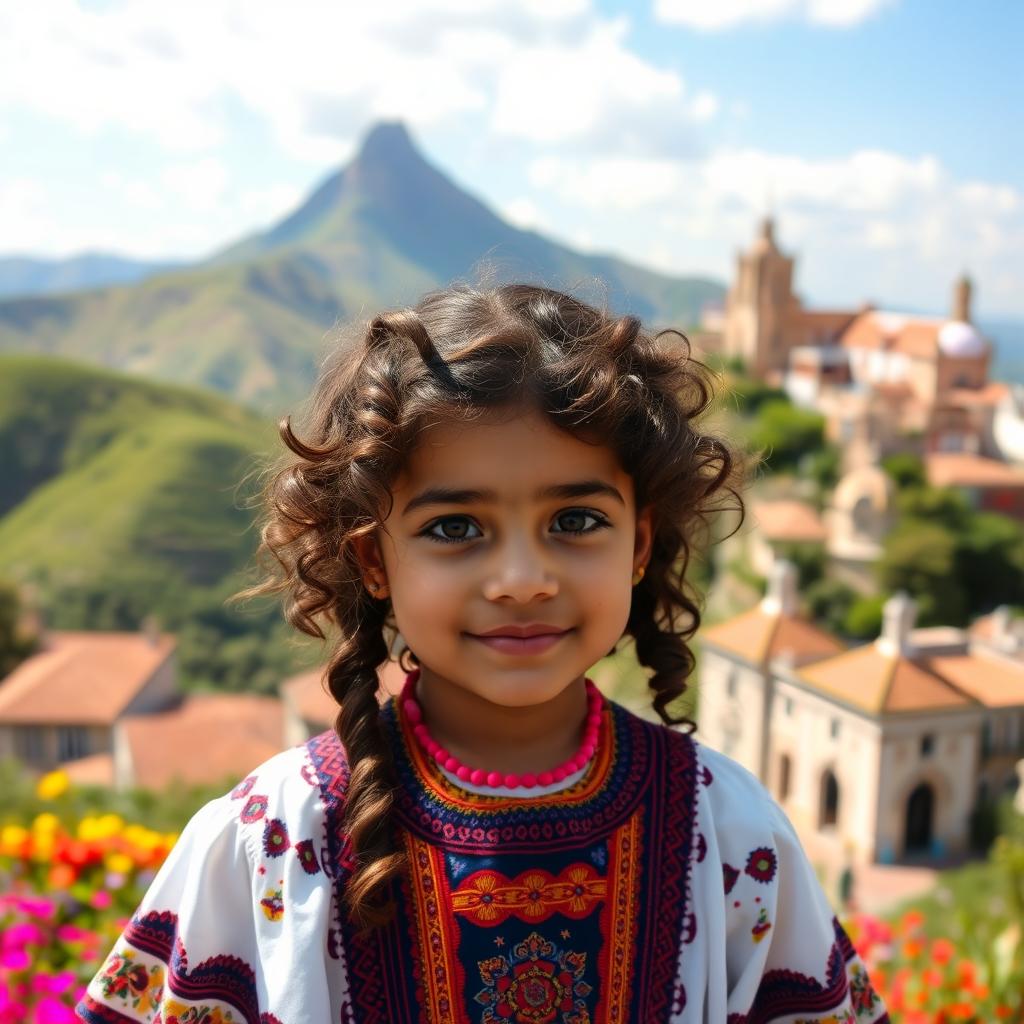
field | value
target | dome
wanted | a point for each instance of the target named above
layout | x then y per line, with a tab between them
961	340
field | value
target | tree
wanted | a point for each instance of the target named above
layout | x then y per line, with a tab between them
828	602
785	433
921	558
864	618
15	643
990	561
906	470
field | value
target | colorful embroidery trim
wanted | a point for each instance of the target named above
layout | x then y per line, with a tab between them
489	898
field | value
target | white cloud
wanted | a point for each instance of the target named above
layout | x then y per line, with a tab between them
523	212
318	73
895	225
721	15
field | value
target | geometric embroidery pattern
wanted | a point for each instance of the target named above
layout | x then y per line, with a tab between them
488	898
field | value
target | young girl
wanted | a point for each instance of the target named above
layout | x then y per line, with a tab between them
510	481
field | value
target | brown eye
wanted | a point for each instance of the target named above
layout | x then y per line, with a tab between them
453	530
574	521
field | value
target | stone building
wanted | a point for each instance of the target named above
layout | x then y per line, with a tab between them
883	750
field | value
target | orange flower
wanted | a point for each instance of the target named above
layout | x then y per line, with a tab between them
942	951
912	949
62	876
933	978
960	1011
981	991
911	920
1004	1012
967	973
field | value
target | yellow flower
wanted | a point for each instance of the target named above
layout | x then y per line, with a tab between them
12	838
46	824
52	785
120	862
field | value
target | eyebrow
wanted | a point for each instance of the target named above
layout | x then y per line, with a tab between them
451	496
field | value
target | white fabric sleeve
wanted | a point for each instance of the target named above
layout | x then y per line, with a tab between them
237	911
787	957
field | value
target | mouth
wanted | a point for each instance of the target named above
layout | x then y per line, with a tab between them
506	644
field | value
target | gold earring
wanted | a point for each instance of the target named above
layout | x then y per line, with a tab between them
638	576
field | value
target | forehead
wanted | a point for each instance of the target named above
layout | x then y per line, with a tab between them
513	455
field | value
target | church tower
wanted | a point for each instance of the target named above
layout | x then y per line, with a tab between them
962	300
759	305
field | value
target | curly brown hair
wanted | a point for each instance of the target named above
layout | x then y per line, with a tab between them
458	352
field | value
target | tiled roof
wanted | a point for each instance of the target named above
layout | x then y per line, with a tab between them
758	636
876	681
964	469
82	678
875	329
309	698
788	521
211	738
994	681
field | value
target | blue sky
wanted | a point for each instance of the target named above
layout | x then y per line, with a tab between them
885	134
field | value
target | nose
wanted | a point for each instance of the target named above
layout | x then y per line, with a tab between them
521	572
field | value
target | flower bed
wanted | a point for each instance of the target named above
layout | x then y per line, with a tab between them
68	886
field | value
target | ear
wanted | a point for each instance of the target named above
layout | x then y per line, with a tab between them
371	564
644	539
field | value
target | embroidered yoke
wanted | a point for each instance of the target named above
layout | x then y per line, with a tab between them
647	890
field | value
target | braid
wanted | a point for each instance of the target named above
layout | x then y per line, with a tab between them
352	679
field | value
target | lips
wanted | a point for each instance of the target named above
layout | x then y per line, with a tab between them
531	629
532	639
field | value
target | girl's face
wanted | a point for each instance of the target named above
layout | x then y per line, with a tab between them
502	525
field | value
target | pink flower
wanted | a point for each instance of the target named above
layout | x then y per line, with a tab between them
101	899
72	933
53	1011
20	935
36	907
55	984
14	960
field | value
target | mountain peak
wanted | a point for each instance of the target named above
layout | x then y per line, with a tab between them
387	142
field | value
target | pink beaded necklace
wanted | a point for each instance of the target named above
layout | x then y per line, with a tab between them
493	780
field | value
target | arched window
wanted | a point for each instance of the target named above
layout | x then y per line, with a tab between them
829	799
785	767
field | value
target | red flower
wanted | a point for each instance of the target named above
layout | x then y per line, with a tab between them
275	838
761	864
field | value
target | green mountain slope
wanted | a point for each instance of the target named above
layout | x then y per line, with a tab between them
121	498
104	471
253	322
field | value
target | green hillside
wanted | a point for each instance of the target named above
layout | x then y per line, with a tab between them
253	322
120	499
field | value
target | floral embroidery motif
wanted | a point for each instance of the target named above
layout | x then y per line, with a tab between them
273	905
307	856
730	874
268	1018
761	926
489	898
538	984
132	982
862	995
243	788
761	864
174	1012
275	838
254	809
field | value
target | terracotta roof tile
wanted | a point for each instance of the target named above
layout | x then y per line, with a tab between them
789	521
94	770
82	678
996	682
759	636
964	469
875	329
869	678
232	732
309	698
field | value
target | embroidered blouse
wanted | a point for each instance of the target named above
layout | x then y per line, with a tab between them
661	883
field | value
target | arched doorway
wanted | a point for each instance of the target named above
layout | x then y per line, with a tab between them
829	813
920	810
